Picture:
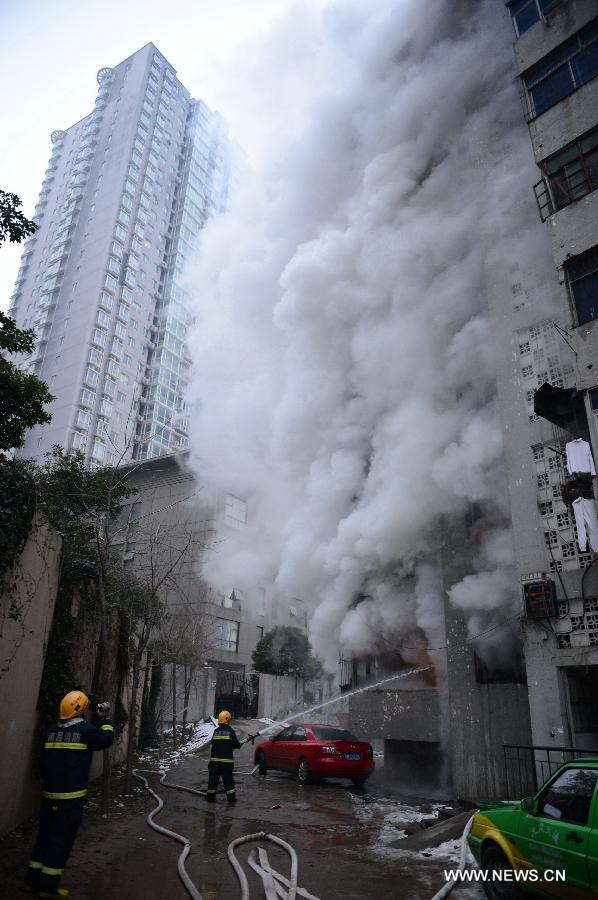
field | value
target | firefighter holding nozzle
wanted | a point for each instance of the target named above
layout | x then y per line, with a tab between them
66	759
221	764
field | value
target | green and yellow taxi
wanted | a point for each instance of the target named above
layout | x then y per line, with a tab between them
526	848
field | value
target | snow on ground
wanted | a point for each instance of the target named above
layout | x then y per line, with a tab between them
201	735
450	850
388	820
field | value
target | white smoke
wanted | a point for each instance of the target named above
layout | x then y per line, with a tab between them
344	358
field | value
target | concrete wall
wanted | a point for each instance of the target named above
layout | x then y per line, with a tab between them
565	121
279	696
406	715
543	38
32	586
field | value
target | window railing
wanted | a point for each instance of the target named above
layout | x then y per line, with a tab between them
528	767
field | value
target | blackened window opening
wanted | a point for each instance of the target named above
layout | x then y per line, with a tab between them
582	276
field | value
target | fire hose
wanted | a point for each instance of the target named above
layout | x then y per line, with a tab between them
276	886
447	888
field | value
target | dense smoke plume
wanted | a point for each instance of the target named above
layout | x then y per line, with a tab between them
344	357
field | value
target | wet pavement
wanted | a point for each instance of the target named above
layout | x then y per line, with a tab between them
345	839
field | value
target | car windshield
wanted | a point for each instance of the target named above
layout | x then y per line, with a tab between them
322	733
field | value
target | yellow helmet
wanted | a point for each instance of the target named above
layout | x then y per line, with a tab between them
224	717
74	704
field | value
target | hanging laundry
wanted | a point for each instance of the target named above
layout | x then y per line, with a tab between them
579	457
586	521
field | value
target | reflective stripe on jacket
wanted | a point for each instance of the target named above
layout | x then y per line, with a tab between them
66	756
224	741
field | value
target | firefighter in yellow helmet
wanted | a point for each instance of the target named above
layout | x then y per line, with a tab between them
221	764
66	757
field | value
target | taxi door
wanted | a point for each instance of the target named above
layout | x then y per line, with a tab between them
555	835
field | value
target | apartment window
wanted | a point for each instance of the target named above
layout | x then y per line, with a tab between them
109	387
124	217
78	441
582	277
113	368
98	452
572	173
227	635
235	511
121	397
87	398
120	330
106	408
91	377
117	249
546	508
120	232
83	419
571	64
99	337
110	282
95	356
106	300
103	318
538	451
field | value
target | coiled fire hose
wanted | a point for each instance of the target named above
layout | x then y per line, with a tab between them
276	886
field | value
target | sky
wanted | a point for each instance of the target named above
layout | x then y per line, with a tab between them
52	50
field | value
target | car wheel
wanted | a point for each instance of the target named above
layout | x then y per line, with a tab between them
494	858
303	771
261	763
359	780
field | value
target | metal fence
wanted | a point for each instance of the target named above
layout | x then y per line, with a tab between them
527	768
236	693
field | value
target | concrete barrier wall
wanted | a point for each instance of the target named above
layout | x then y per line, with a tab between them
409	715
279	696
26	610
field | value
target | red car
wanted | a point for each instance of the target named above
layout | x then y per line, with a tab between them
316	751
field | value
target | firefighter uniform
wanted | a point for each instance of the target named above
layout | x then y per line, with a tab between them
224	741
66	759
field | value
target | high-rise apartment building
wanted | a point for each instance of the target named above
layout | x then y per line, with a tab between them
126	192
556	51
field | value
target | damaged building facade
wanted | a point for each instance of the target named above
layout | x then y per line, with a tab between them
491	730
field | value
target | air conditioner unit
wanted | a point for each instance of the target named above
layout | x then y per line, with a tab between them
540	599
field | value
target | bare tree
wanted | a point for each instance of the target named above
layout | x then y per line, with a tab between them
160	571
